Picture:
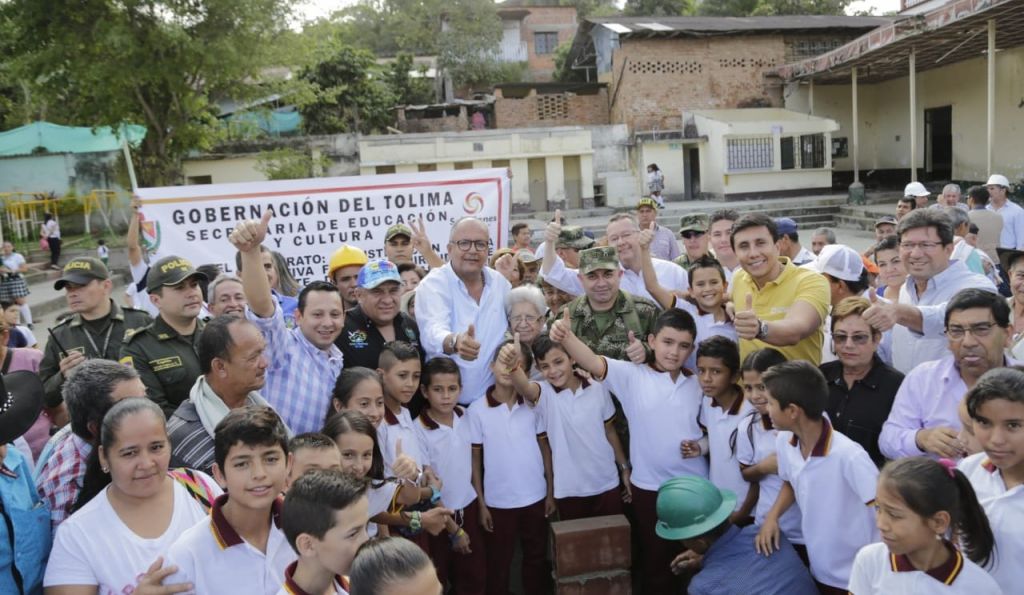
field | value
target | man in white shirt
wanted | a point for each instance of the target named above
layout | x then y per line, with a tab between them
623	235
664	245
924	419
999	201
789	242
460	307
917	319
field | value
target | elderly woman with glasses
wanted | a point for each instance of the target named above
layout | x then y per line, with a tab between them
527	313
861	387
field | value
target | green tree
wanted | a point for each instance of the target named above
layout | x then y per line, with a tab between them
160	63
592	8
342	94
742	8
658	8
406	88
290	164
564	73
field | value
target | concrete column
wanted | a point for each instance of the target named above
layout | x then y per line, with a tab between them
587	180
445	166
520	184
810	98
554	180
406	168
481	163
990	108
913	115
855	148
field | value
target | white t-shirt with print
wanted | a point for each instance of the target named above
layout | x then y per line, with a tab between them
94	546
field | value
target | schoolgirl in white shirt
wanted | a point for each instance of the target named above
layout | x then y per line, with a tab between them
922	506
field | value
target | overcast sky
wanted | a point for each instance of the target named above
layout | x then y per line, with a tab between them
312	9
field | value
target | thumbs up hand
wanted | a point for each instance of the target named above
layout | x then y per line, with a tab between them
404	467
746	322
561	328
509	354
554	229
881	315
647	236
250	234
467	346
635	349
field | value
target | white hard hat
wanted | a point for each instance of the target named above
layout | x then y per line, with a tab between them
839	261
915	189
998	180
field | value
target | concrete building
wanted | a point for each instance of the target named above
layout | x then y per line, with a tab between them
531	32
239	162
658	67
933	96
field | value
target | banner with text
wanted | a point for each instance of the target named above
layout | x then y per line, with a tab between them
313	217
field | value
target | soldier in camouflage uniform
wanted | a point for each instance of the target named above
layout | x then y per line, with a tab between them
694	231
604	314
571	240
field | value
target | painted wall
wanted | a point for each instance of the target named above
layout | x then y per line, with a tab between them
884	112
60	173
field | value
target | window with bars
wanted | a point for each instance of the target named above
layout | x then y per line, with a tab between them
748	154
802	152
545	43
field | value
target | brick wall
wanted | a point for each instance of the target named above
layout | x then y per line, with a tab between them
653	80
552	19
554	109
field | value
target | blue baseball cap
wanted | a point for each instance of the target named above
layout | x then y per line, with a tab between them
376	272
785	225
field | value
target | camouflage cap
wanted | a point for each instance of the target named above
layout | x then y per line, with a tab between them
168	271
572	237
593	259
81	270
398	229
695	222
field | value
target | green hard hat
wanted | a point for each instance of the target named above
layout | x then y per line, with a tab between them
689	507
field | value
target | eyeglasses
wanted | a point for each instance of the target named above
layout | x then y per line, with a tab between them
978	331
478	245
924	246
516	320
689	235
858	339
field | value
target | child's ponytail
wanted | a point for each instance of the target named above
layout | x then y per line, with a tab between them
972	522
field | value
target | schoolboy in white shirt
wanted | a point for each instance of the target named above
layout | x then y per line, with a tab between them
240	547
587	456
722	410
399	369
444	436
661	402
996	407
831	477
506	435
324	519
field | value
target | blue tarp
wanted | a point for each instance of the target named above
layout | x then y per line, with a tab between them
66	139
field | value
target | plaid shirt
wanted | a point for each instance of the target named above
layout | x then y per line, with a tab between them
300	377
59	478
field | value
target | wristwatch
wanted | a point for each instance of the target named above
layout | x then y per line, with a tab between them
762	330
414	522
435	495
625	466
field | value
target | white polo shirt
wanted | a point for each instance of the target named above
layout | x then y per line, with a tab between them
449	453
722	425
381	498
1005	510
339	586
583	460
835	488
394	428
215	559
707	327
755	441
876	570
661	415
515	469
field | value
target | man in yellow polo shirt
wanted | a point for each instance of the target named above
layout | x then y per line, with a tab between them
777	304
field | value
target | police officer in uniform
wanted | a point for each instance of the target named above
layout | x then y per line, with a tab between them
603	316
165	353
94	330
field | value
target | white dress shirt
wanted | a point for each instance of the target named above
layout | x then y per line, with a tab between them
910	348
670	275
928	398
1012	235
444	306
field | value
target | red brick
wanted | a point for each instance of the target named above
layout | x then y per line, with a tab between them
613	584
585	546
526	112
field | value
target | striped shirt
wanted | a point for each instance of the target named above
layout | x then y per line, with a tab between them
59	479
300	377
191	444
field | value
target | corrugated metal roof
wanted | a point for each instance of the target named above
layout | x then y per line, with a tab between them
651	26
